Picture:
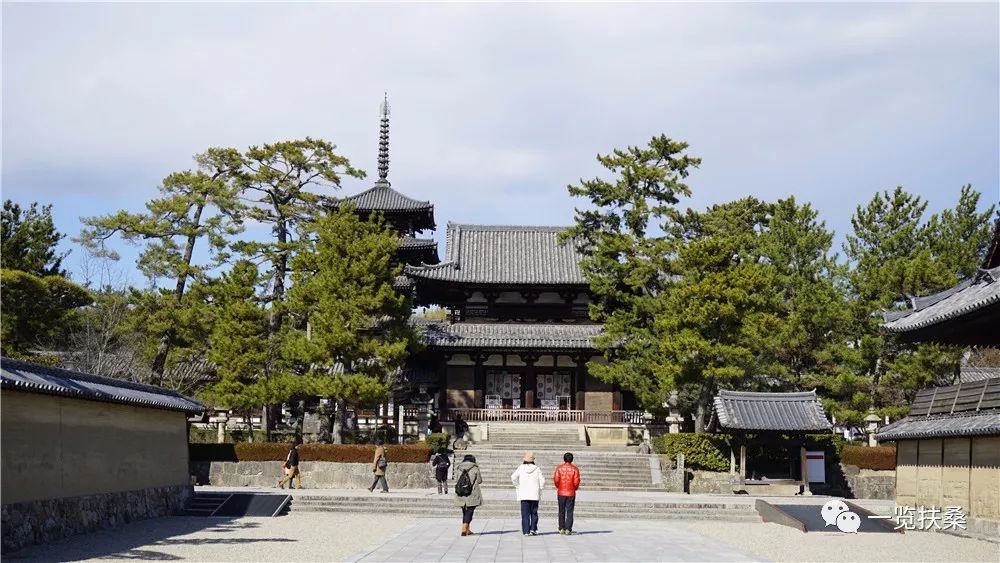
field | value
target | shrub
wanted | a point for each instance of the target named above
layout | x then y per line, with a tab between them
701	451
879	458
386	433
437	442
339	453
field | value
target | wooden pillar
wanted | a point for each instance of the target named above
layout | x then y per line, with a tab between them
805	471
743	464
479	381
581	388
573	386
732	459
529	383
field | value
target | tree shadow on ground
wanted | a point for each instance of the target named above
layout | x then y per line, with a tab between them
138	540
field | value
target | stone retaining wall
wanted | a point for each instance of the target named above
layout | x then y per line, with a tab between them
870	484
44	521
315	474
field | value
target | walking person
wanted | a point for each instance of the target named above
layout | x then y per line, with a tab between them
461	427
291	466
379	466
529	482
441	464
468	492
566	480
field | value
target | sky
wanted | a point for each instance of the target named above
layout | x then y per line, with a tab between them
496	108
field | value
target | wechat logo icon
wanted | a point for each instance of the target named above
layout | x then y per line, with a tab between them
837	513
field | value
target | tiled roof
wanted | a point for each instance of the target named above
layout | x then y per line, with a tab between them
967	297
503	335
942	425
382	197
788	412
969	374
965	409
511	255
34	378
411	242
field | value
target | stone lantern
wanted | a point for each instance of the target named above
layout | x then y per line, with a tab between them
871	425
674	419
423	402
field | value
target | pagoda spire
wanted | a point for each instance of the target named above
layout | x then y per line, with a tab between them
383	144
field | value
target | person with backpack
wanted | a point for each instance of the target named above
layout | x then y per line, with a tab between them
441	464
567	481
379	466
468	492
529	482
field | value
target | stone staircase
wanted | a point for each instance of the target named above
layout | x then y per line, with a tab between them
444	507
535	437
600	471
609	468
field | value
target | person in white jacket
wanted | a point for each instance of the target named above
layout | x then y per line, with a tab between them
529	482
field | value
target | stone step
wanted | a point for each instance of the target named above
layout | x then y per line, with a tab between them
578	515
446	501
444	507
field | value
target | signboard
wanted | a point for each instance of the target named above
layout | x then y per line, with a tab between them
816	466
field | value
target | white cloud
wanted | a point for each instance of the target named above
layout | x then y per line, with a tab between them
497	107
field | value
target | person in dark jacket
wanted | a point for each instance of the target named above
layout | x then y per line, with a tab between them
461	427
441	464
468	503
291	466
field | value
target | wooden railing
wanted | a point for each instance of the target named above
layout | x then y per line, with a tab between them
548	415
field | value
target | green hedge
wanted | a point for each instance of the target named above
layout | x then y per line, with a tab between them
437	442
704	451
339	453
882	458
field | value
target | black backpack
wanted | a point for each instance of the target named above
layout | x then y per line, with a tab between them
463	487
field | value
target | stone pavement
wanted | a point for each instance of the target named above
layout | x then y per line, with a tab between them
501	540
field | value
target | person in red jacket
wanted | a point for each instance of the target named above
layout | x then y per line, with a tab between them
567	481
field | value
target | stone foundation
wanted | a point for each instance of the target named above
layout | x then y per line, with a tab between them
44	521
315	474
870	484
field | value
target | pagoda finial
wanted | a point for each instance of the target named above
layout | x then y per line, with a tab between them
383	143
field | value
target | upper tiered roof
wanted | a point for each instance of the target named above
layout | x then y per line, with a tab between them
404	212
505	255
966	314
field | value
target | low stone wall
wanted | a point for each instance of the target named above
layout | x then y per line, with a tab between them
695	481
44	521
870	484
710	482
315	474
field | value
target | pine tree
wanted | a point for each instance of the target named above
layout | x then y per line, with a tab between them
625	256
29	239
351	333
199	206
278	179
238	340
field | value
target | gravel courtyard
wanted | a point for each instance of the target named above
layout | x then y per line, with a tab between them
361	537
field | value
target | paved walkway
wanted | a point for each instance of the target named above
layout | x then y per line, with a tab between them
501	540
